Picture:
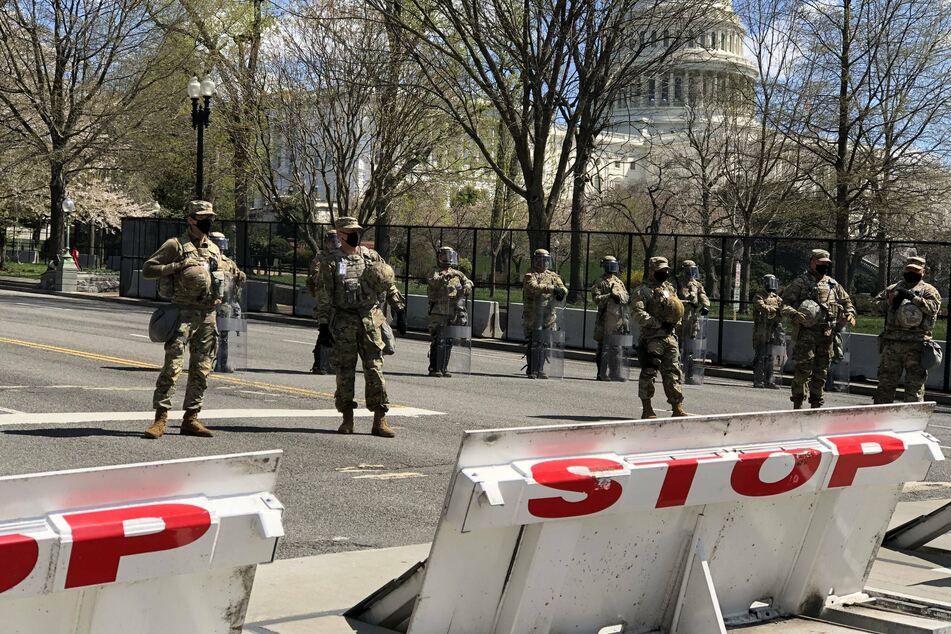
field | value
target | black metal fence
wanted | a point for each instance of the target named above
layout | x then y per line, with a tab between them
277	255
98	248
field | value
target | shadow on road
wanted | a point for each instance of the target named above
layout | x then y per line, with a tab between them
72	432
580	419
256	429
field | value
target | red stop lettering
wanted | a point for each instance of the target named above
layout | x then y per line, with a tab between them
555	474
746	480
852	456
99	539
18	555
677	480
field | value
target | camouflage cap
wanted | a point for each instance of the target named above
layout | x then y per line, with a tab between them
347	223
608	258
657	263
446	249
820	254
200	209
541	252
687	263
916	263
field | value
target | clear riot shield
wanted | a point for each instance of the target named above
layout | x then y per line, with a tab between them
322	359
839	370
546	359
775	364
617	357
693	349
454	350
232	329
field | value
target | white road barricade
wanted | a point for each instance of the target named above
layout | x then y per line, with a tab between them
678	525
158	547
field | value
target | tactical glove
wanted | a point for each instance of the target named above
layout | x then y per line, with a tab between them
901	294
559	293
668	327
617	300
324	337
704	311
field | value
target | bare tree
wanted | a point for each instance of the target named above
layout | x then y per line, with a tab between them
75	77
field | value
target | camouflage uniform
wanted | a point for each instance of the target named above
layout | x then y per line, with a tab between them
322	259
540	292
612	300
655	306
812	353
183	267
767	331
347	302
447	287
696	302
902	344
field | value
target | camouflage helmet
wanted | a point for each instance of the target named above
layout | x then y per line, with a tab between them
811	313
542	258
610	264
770	282
447	256
379	276
909	316
195	282
670	310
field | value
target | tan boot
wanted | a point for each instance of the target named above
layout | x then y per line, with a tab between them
380	426
191	426
346	427
648	409
158	427
678	410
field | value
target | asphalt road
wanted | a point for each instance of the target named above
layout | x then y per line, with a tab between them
65	357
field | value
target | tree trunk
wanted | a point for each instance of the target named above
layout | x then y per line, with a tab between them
842	147
55	242
745	265
382	238
538	220
576	270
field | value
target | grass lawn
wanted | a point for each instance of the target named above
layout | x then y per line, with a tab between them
29	271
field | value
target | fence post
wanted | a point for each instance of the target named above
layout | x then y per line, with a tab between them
630	256
584	292
947	340
409	240
294	271
508	286
722	295
475	277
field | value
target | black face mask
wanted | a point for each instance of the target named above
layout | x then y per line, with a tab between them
822	269
661	275
353	239
204	225
911	278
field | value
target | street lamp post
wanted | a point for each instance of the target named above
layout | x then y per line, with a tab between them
203	89
69	206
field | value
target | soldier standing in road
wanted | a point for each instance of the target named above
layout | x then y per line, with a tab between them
448	289
611	298
658	311
230	306
348	291
184	266
323	258
767	331
910	307
696	305
817	305
541	288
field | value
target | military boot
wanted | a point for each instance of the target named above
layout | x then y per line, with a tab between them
191	426
648	409
678	410
797	403
346	427
380	426
815	404
158	427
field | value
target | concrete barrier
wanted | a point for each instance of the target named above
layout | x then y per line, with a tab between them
484	316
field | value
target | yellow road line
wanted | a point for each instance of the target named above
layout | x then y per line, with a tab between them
93	356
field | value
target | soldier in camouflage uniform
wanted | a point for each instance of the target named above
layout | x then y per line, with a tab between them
331	243
541	289
910	307
448	289
767	331
696	305
611	298
817	305
348	292
230	306
184	266
658	311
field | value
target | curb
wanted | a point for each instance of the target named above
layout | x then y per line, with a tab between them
723	372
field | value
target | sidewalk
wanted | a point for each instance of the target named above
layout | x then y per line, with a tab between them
308	595
740	374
